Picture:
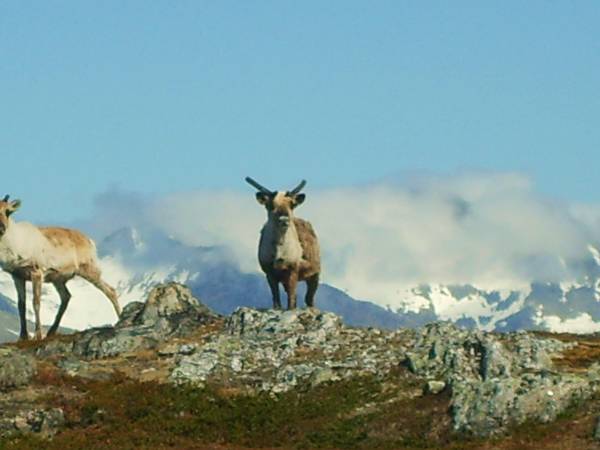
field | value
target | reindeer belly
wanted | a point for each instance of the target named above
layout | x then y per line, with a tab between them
53	266
53	275
49	275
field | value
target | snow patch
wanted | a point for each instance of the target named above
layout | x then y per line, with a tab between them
595	253
449	308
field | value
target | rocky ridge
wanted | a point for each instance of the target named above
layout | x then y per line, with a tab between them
498	380
494	381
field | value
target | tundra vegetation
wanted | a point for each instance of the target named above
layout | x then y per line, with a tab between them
46	255
288	251
293	379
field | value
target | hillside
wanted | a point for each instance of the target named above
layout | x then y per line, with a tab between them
294	379
134	261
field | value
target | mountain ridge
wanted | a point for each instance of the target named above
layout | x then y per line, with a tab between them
134	260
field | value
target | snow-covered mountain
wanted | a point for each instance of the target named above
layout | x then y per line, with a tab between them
135	260
560	307
572	306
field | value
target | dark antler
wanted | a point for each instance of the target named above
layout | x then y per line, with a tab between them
6	197
258	186
297	188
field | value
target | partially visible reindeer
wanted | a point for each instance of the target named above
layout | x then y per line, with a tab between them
288	251
46	255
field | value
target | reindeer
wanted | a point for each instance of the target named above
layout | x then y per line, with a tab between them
288	251
46	255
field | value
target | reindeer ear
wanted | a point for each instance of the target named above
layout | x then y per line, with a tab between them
13	206
299	199
262	198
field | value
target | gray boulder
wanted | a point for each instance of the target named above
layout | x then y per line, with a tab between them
16	368
170	311
275	351
45	422
496	381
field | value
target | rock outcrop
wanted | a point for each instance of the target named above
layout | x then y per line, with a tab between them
16	368
276	351
494	381
498	380
170	311
44	422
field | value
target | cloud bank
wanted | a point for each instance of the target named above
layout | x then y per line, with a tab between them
492	230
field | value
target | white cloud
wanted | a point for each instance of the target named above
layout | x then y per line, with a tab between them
490	230
581	324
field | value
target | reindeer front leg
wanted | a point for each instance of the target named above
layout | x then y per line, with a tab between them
37	278
290	284
274	286
21	295
65	296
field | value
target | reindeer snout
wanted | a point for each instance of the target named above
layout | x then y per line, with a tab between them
284	221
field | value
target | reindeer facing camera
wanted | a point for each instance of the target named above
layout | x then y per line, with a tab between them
288	251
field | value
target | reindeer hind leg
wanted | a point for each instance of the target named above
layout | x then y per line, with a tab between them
312	283
94	275
37	278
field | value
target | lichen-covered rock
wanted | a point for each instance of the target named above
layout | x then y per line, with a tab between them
308	324
16	368
44	422
108	342
434	387
170	311
195	369
73	366
323	375
275	351
496	381
129	313
488	407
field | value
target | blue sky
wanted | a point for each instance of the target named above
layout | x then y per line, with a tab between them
171	96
